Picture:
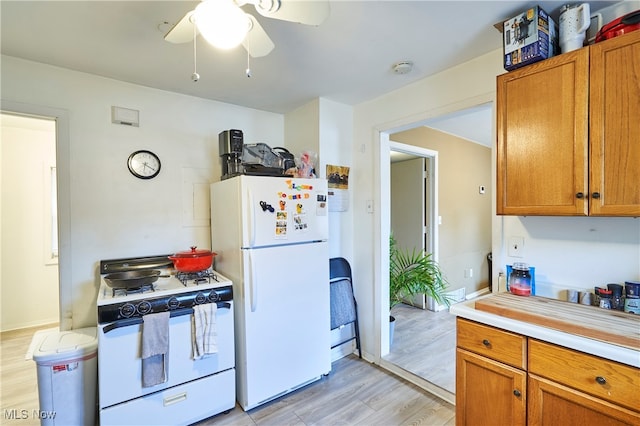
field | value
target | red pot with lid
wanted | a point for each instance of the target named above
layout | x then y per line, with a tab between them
193	260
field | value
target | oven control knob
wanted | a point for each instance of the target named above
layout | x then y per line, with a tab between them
127	310
213	296
200	298
144	307
173	303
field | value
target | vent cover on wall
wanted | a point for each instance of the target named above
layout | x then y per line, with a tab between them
125	116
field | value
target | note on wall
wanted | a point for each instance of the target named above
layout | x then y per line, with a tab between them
338	177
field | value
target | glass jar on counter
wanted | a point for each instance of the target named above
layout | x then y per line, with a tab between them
617	301
605	299
520	279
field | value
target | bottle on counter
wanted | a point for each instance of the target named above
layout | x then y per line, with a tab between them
520	280
632	299
617	302
605	298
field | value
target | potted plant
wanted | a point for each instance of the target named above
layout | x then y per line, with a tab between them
411	273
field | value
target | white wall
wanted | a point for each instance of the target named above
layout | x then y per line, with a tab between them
564	250
464	237
29	272
301	130
112	214
461	87
326	128
575	253
336	141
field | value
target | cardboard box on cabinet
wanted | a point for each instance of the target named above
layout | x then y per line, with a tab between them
529	37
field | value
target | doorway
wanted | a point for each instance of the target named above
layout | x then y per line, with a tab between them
463	268
29	222
63	294
413	181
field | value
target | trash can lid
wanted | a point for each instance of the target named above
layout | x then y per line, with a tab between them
67	344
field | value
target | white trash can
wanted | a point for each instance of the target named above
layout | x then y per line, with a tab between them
67	364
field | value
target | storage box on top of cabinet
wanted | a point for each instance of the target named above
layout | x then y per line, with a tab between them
529	37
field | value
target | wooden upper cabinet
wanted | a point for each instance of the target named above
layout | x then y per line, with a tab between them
542	147
615	126
569	133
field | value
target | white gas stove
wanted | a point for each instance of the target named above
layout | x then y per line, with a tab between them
194	388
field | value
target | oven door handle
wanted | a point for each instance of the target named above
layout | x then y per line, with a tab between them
137	321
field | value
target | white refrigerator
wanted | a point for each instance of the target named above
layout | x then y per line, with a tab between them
270	234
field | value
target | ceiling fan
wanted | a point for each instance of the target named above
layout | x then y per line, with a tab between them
224	24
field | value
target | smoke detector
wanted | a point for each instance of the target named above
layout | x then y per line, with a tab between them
402	67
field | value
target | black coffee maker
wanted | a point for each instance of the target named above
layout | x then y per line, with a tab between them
231	143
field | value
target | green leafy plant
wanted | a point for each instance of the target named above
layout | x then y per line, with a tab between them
414	272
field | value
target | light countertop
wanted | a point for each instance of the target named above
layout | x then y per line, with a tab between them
614	352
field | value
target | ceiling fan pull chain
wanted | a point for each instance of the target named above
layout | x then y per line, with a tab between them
195	76
248	70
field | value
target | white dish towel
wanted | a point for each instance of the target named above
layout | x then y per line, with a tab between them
155	349
203	330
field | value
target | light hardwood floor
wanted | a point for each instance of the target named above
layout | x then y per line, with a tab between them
355	393
19	384
424	344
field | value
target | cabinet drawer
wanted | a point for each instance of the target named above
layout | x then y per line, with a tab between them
500	345
611	381
180	405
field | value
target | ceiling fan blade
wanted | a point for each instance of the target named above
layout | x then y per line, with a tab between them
309	12
257	42
182	32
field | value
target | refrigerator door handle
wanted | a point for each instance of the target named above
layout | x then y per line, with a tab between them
253	285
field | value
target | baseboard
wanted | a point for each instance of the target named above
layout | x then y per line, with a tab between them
27	329
478	293
454	296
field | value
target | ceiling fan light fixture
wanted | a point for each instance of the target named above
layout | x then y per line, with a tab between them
222	23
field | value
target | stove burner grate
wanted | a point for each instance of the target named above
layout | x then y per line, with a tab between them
117	292
199	277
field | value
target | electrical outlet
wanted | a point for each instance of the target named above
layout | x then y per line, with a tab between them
516	247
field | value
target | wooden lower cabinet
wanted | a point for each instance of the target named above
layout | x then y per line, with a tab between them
489	392
552	404
554	386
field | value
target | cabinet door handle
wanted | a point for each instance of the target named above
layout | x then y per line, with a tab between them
517	393
595	195
486	343
601	380
580	195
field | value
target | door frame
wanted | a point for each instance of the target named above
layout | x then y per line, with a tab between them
386	145
431	198
382	223
63	167
429	195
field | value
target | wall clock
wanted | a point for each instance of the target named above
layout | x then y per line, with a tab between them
144	164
